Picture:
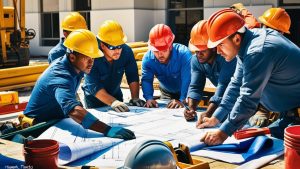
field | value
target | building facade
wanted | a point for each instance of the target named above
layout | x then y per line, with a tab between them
137	17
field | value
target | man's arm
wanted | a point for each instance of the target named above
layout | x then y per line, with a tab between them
132	77
185	74
147	78
71	107
226	73
105	97
231	94
134	90
196	87
79	113
257	72
111	101
198	80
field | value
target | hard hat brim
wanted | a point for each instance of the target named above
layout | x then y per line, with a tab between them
158	48
100	54
212	44
194	48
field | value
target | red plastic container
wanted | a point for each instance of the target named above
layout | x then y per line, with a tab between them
292	147
293	131
291	139
41	154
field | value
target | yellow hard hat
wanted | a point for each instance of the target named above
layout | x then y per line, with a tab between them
83	41
276	18
73	21
112	33
238	7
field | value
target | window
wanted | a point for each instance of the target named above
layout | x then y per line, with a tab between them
50	22
182	16
289	2
177	4
84	7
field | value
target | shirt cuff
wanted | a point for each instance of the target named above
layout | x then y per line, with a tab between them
221	114
70	107
194	96
148	97
228	127
215	99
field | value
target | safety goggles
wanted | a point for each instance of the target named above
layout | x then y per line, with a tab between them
110	47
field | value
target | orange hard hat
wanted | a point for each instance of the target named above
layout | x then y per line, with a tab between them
160	38
199	36
276	18
222	24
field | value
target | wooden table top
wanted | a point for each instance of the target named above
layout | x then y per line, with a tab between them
15	150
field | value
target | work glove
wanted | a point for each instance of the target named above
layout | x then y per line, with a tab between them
120	132
260	119
137	102
119	106
151	104
238	7
174	104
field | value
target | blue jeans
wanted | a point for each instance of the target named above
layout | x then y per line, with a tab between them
286	119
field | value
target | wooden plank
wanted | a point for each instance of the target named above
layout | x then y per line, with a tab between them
15	150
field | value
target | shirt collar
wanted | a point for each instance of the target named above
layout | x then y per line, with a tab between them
70	67
247	37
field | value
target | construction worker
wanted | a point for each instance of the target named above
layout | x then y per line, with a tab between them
267	72
102	85
276	18
71	22
170	63
250	21
54	95
263	117
206	64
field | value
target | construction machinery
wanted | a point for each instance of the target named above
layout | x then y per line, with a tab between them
14	36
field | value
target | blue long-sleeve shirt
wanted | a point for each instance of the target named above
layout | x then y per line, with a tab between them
267	72
54	94
174	77
105	75
219	73
57	51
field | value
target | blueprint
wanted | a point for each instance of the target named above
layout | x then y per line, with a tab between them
79	146
75	141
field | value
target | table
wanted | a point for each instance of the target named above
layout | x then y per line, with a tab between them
14	150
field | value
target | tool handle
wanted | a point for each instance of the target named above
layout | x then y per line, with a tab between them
251	133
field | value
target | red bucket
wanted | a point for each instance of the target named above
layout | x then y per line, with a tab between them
292	147
41	154
291	139
293	131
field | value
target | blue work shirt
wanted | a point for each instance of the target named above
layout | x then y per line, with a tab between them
174	77
219	73
267	72
57	51
108	76
54	94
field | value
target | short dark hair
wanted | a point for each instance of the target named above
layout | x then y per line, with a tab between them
72	52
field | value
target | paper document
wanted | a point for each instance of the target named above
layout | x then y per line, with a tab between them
85	147
75	141
243	151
